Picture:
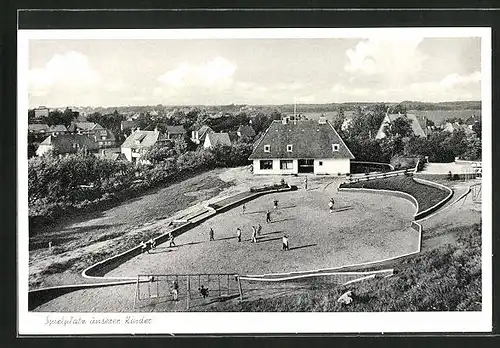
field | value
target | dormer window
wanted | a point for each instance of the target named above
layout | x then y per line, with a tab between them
267	148
335	147
289	148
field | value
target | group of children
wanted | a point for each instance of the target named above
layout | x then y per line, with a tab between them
147	246
174	290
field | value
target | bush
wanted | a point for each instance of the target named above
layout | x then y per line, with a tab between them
62	186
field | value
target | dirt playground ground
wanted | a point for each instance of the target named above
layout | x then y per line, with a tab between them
364	227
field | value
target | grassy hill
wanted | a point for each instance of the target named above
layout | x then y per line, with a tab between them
447	278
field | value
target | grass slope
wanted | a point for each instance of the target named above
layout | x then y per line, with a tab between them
427	196
447	278
93	237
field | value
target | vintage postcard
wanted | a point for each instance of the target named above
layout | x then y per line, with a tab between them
254	181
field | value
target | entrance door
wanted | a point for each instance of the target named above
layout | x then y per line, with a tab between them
306	166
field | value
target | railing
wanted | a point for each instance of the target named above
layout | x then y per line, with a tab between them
373	176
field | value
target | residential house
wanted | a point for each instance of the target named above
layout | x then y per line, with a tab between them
214	139
103	137
84	127
37	129
471	121
139	141
126	126
198	136
67	144
175	132
302	146
57	129
418	124
111	156
455	126
245	131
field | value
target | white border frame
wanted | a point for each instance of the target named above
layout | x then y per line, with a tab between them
33	323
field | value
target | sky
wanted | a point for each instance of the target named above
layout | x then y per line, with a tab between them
79	72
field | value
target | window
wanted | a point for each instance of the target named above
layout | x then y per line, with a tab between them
289	148
320	163
286	164
335	147
267	148
266	164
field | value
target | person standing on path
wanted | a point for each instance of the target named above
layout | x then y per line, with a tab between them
254	234
211	234
243	208
259	228
238	234
171	240
268	216
175	290
330	205
285	243
305	183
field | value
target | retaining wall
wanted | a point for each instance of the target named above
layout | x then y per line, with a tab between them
384	193
436	206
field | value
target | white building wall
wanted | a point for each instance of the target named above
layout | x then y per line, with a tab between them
207	143
276	168
332	166
127	151
43	149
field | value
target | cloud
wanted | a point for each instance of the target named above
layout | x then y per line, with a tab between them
216	72
395	61
65	72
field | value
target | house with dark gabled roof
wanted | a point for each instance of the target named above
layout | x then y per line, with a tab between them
67	144
57	129
84	127
245	131
418	124
214	139
198	136
37	128
301	147
175	132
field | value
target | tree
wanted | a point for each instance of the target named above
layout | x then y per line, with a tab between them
474	149
401	126
399	109
456	143
31	115
477	128
339	119
57	117
158	153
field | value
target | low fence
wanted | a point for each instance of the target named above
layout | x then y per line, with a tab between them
373	176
